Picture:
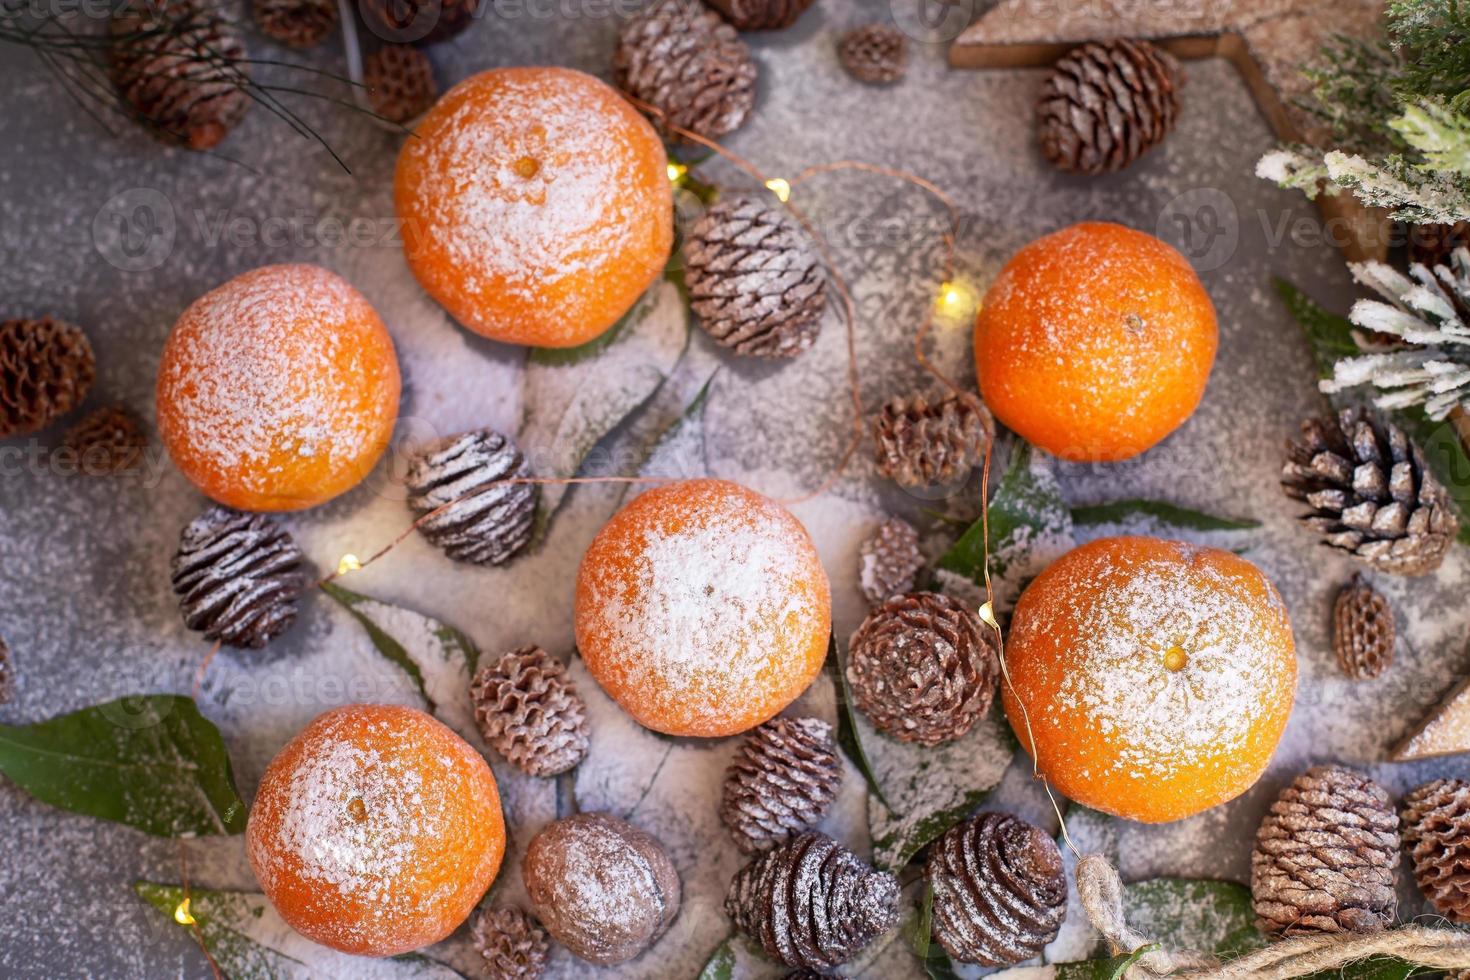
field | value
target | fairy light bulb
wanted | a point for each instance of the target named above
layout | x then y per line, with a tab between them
349	563
780	187
987	616
676	171
182	915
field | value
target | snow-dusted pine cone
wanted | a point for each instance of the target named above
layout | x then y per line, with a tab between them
530	713
1371	492
1362	631
921	441
297	23
755	282
1106	104
761	15
682	59
785	775
889	561
400	82
1432	244
811	903
46	368
876	53
7	673
923	668
1437	834
237	577
1000	892
512	944
477	517
1326	856
180	67
418	21
107	441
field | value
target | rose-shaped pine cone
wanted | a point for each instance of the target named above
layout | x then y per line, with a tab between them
418	21
108	441
690	66
921	441
1000	892
923	668
889	561
530	713
46	368
784	777
877	53
1372	495
1362	631
754	280
1106	104
761	15
1326	856
400	82
181	68
296	23
477	517
512	944
1437	833
7	673
811	903
237	577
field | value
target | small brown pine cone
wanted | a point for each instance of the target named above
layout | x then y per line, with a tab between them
876	53
512	944
1431	244
46	369
811	903
761	15
889	561
1326	856
923	668
106	442
7	673
684	61
921	441
418	21
1362	631
783	779
1000	892
530	713
1437	834
1372	494
1106	104
237	577
400	82
296	23
478	518
180	67
754	280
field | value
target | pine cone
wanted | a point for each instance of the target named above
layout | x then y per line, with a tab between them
296	23
530	713
754	280
7	673
46	368
923	668
1363	631
1326	856
1000	892
680	58
1106	104
811	903
513	945
418	21
1437	832
876	53
1372	494
784	777
108	441
889	561
180	69
400	82
761	15
485	527
1431	244
922	441
237	577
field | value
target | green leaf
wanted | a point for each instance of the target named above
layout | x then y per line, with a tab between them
847	736
1112	968
721	964
920	930
1445	454
149	761
1199	914
1330	335
679	450
250	941
1160	513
